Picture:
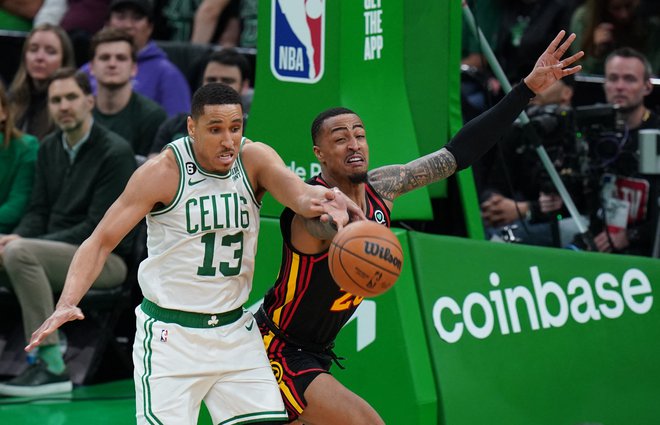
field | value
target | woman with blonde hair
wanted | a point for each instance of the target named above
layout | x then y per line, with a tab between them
47	48
18	154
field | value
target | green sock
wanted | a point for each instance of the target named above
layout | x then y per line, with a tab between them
51	355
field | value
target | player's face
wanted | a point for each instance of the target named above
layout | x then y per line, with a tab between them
68	105
226	74
43	55
112	64
217	136
342	147
624	82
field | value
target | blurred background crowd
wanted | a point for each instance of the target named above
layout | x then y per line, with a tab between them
590	126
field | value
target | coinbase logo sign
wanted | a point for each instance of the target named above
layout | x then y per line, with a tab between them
297	40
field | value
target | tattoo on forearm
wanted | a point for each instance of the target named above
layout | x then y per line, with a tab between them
394	180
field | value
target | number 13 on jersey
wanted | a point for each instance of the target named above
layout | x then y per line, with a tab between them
208	268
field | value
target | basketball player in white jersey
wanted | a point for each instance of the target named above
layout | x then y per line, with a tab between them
201	195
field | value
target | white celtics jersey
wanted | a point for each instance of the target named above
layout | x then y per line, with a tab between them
202	246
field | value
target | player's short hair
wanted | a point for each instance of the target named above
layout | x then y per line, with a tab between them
213	94
320	119
629	52
79	77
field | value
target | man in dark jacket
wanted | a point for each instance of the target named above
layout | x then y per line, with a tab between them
81	170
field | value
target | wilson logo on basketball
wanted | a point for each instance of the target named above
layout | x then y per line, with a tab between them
374	249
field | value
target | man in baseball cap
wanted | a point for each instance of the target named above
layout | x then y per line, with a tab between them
157	78
143	7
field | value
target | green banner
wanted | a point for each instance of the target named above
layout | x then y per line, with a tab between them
525	335
389	61
475	332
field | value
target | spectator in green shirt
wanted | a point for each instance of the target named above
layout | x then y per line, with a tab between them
81	170
18	153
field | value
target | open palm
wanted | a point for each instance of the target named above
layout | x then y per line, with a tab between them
60	316
550	66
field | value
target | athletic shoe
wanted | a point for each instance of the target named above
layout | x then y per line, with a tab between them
37	381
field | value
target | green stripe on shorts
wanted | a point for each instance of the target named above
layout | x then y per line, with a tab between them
146	389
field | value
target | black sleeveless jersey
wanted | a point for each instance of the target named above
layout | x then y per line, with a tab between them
305	302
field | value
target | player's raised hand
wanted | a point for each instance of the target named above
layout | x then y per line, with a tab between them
550	66
60	316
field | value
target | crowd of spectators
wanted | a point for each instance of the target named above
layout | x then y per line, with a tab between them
93	94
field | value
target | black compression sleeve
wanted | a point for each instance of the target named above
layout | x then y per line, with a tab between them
481	133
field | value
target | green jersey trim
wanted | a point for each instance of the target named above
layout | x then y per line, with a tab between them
179	191
191	152
246	181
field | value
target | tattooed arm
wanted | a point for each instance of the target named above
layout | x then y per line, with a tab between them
392	181
480	134
472	141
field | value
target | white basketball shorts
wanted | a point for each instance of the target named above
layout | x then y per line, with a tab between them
223	364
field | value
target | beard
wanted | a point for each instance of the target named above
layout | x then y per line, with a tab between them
70	126
359	178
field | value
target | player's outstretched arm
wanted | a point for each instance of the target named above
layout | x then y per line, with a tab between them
147	187
480	134
327	226
269	174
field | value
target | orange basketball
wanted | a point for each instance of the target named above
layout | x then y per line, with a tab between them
365	258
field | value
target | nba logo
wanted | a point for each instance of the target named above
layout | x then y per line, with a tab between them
297	40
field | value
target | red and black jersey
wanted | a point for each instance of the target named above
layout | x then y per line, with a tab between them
305	302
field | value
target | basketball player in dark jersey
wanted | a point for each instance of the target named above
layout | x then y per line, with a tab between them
305	309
